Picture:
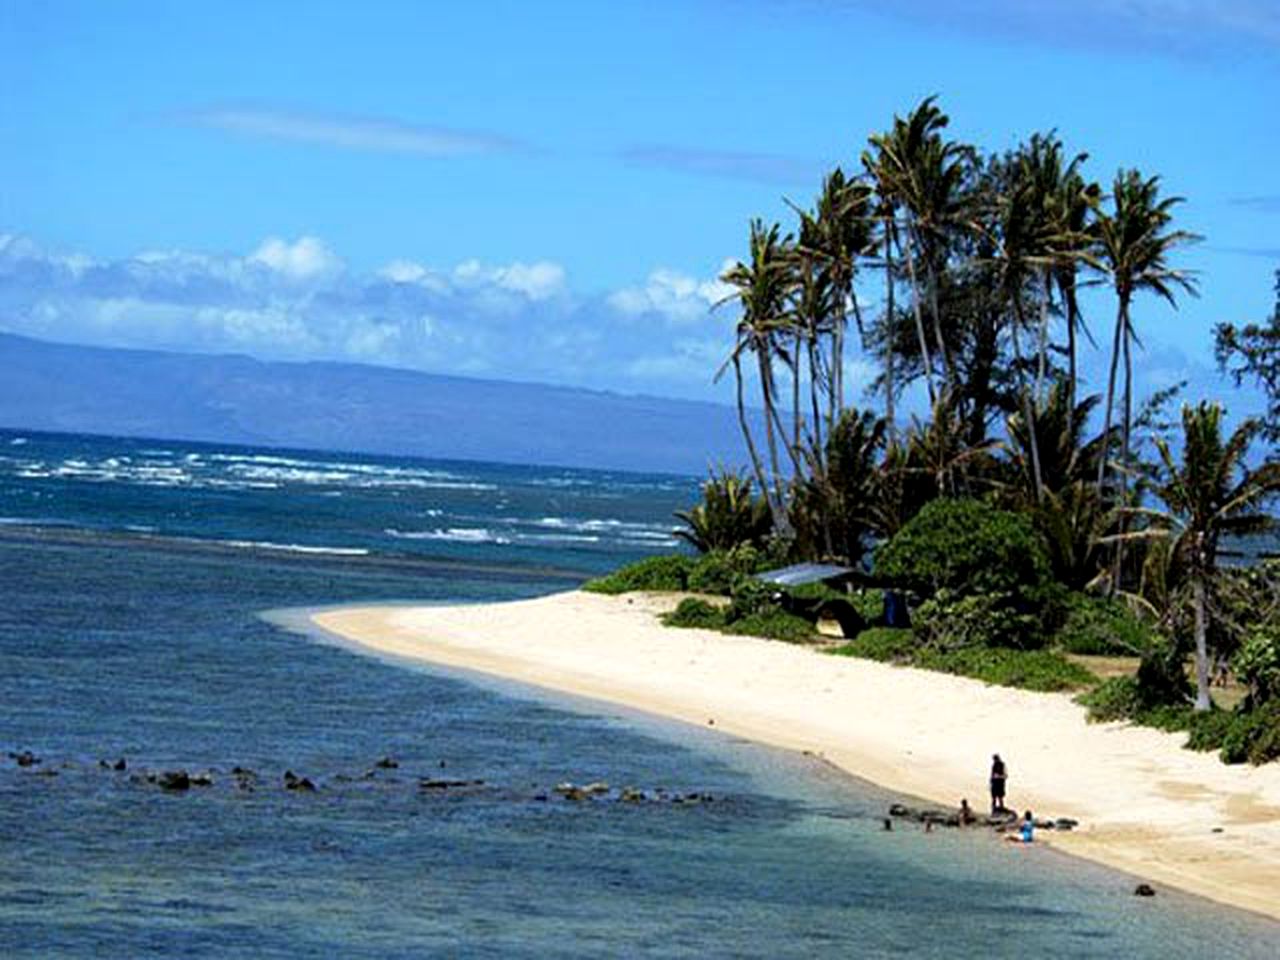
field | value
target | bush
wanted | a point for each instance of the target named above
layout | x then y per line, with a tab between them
951	622
1102	627
967	547
666	573
750	597
1114	699
692	612
1208	729
1027	669
1257	664
773	625
1253	736
885	644
716	571
869	604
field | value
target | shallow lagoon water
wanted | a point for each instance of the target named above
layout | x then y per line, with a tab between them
156	651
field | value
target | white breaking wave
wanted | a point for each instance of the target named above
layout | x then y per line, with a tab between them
451	534
295	547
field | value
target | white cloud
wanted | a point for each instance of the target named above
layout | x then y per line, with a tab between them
373	134
673	295
535	281
305	259
293	299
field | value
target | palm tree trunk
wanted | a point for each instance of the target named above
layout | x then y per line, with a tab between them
1125	429
1203	702
813	349
948	370
1042	349
915	307
1028	409
889	330
746	435
795	390
1069	296
1111	395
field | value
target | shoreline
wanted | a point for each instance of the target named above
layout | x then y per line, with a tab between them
1146	806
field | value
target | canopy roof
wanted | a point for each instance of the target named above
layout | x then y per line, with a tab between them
802	573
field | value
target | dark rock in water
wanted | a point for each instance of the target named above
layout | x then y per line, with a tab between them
1144	890
239	771
202	779
933	816
1001	818
120	765
632	795
430	783
598	786
25	759
901	810
888	823
175	780
1066	823
1045	824
294	782
387	763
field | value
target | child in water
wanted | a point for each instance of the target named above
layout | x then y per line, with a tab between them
1026	830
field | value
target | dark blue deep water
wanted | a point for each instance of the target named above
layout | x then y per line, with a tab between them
133	576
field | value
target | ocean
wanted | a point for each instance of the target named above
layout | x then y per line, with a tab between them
149	598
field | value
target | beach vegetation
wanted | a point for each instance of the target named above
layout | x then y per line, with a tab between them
730	515
697	613
1043	670
663	573
1253	351
1017	515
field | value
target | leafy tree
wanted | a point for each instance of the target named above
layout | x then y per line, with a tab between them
1254	351
1209	493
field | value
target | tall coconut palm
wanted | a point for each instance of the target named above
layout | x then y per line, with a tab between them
1211	492
1134	241
837	235
763	288
1133	248
889	163
924	173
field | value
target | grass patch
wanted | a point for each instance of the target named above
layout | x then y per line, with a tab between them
695	613
1043	670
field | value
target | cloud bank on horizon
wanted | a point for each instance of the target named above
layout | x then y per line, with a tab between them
298	300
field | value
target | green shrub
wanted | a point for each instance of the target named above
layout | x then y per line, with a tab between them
1257	664
1254	736
965	546
869	604
1208	729
669	573
949	622
1114	699
716	571
1042	670
773	624
885	644
750	597
1101	627
1027	669
692	612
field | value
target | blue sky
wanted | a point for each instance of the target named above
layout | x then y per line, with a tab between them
548	191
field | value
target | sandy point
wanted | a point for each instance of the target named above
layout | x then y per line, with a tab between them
1145	805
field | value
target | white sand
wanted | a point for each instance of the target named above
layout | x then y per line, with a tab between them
1146	805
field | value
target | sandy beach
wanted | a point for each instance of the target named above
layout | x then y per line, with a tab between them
1145	805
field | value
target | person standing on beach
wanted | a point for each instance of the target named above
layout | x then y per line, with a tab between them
998	777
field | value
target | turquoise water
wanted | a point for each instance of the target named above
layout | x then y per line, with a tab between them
131	626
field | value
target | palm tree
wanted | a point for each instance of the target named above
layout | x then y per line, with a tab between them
763	288
1134	243
1209	494
727	516
917	173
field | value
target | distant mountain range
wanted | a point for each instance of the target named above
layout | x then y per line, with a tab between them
341	406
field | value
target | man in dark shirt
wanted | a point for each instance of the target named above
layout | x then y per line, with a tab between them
998	777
